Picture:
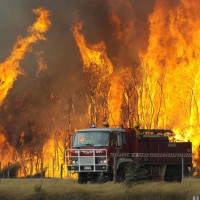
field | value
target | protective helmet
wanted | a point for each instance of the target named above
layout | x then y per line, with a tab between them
136	126
105	124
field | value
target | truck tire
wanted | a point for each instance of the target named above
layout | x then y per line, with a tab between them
82	178
173	173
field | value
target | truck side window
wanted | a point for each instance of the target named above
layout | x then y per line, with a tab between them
123	138
113	139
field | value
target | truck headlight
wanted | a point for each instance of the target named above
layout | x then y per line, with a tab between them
103	161
75	162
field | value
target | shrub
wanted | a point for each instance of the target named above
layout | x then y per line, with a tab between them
136	173
38	188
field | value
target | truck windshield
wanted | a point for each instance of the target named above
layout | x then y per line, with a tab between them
91	138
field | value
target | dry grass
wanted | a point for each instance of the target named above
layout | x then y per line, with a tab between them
61	189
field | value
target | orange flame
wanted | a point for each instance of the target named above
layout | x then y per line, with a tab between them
41	62
10	69
171	66
96	61
115	100
92	54
7	152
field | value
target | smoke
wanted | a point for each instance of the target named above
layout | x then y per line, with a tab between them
40	101
123	26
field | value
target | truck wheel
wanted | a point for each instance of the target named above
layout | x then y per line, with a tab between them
173	173
82	178
169	176
120	176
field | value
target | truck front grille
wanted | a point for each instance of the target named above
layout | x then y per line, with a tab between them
86	160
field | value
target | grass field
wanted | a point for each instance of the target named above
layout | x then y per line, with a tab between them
61	189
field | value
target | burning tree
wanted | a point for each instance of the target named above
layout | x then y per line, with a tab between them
27	145
96	70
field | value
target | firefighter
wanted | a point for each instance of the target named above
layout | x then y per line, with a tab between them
105	124
136	129
136	126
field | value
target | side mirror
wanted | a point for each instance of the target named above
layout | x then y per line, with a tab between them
119	140
72	137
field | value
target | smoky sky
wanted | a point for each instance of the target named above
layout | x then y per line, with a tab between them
44	99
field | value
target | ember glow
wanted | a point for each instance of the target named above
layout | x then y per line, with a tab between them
128	62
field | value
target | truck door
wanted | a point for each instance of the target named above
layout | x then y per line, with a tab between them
121	142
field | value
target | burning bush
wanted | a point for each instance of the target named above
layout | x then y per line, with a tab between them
10	171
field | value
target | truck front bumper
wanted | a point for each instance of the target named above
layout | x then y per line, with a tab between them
86	168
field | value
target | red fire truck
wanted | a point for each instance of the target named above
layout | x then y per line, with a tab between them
99	154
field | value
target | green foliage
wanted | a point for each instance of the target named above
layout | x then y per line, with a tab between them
135	174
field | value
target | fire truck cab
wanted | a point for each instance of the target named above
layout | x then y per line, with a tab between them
98	153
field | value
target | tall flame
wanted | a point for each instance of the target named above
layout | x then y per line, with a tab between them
115	99
97	63
92	54
172	69
10	69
